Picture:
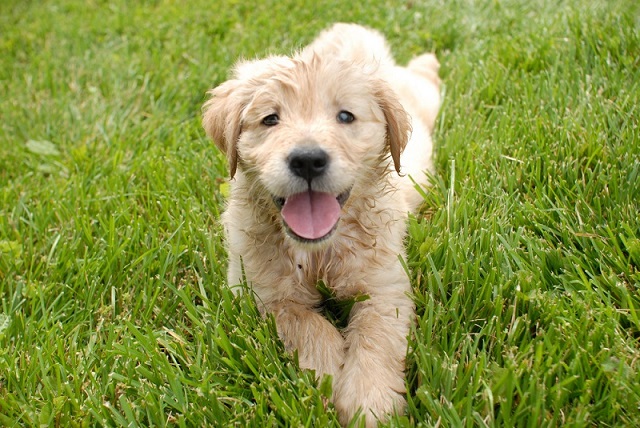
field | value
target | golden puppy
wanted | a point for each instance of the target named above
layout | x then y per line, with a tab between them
320	147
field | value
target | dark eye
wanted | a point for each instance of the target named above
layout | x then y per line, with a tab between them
271	120
345	117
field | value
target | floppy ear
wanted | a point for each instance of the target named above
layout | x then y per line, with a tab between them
222	114
398	122
221	120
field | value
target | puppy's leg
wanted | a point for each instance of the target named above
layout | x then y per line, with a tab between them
320	346
372	377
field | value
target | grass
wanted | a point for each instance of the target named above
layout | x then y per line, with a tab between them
525	262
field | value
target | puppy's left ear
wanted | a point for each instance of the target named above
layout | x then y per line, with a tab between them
398	122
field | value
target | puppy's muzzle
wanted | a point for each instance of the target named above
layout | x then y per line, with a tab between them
310	216
308	163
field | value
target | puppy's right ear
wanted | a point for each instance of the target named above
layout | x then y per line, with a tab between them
222	114
222	120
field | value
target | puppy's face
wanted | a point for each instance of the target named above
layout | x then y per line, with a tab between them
307	132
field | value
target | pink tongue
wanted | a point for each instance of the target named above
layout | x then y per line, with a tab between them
311	215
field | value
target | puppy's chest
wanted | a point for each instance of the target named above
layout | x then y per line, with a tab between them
341	274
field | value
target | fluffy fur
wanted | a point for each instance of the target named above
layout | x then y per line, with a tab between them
268	110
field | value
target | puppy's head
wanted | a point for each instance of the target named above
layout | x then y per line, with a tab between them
307	131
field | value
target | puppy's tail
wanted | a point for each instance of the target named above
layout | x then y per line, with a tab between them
427	66
351	42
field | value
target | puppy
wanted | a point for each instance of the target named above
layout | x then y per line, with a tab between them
322	149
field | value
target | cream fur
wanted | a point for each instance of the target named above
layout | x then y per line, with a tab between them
347	67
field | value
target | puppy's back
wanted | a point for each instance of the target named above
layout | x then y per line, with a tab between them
352	43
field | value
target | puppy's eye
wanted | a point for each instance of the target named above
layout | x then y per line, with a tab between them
345	117
271	120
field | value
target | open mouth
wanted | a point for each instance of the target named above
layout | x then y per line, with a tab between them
311	216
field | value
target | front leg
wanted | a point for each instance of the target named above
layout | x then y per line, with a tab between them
319	344
372	379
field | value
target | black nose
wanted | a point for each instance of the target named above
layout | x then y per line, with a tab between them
308	163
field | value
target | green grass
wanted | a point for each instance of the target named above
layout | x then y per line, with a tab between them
525	263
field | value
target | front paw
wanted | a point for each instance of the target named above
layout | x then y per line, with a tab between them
370	396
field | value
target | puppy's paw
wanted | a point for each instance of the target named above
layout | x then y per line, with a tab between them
369	398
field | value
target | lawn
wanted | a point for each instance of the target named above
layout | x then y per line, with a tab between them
525	260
